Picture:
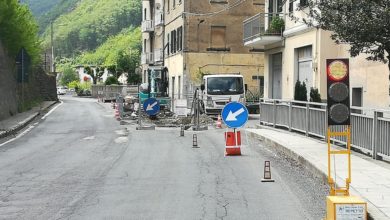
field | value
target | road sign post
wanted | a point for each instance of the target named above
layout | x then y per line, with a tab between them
234	115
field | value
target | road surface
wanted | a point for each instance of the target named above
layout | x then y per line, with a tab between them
79	163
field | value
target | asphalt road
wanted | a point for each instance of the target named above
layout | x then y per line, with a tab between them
79	163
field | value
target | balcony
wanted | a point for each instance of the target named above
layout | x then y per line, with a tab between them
147	26
159	19
158	55
147	58
263	30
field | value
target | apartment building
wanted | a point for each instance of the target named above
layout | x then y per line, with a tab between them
152	56
298	52
201	37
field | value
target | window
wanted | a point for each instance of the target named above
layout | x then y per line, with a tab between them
168	5
174	41
172	36
145	14
173	3
303	3
179	39
168	44
144	45
275	6
179	87
258	2
291	6
219	1
179	2
218	37
305	69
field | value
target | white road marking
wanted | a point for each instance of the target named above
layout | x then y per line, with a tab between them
30	127
18	136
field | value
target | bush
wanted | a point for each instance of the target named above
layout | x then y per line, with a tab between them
111	80
314	95
276	26
300	93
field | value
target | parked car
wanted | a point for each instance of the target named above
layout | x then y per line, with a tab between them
61	90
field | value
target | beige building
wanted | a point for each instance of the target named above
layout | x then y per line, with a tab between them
299	52
152	56
202	37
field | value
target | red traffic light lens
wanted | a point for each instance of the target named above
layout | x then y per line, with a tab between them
337	70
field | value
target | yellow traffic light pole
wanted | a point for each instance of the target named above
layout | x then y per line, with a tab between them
334	190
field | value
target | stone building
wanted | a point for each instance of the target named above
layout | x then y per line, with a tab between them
188	38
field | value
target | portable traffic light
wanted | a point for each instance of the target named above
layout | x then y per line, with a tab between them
338	91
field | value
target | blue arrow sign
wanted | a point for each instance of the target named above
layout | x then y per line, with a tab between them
151	106
235	115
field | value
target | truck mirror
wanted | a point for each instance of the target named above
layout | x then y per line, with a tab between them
202	87
246	87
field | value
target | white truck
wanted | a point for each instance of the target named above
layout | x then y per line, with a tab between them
219	89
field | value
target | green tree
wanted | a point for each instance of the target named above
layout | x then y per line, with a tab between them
18	29
68	75
363	24
91	22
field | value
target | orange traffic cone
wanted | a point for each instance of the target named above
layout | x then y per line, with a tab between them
219	122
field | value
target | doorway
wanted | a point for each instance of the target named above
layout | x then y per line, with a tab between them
276	76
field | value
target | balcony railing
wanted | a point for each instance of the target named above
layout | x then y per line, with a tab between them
159	18
147	26
261	29
147	58
158	55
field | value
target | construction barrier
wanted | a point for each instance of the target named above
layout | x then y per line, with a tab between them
233	143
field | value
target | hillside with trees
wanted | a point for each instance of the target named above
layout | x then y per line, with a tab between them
91	23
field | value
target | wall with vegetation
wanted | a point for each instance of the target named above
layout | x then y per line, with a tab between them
8	104
19	30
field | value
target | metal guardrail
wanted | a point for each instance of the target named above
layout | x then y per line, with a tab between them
370	129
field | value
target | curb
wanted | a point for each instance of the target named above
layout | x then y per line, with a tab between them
13	130
372	212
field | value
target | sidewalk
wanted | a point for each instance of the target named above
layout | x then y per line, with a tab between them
370	178
17	122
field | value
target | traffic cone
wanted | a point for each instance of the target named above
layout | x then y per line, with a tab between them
267	172
219	122
117	113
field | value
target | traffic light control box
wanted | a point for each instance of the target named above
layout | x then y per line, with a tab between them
345	208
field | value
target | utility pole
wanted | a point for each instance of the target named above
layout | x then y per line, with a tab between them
52	69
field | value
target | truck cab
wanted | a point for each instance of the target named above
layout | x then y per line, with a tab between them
219	89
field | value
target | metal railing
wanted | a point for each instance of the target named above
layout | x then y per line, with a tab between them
147	26
258	26
159	18
158	55
370	129
147	58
